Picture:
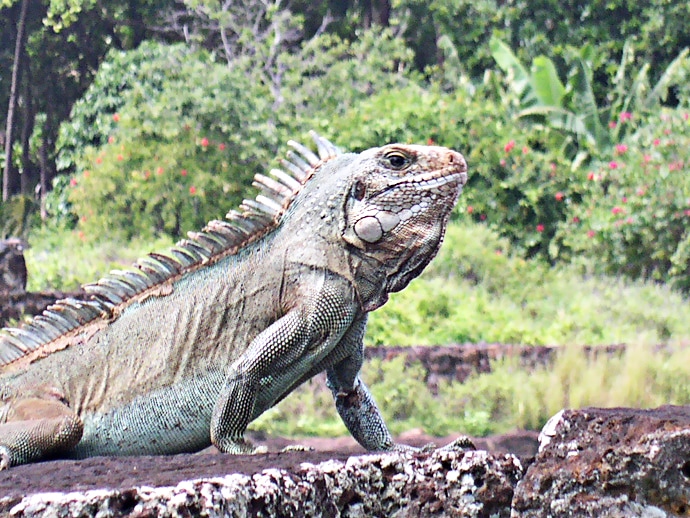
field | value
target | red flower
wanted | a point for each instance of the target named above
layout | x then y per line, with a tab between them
624	199
221	147
120	158
430	142
73	182
111	139
621	148
509	146
591	176
116	117
159	171
183	172
470	209
502	162
204	142
559	196
86	174
612	124
99	160
525	150
641	191
147	174
482	217
646	158
656	141
613	164
576	220
192	190
591	233
625	116
617	210
540	228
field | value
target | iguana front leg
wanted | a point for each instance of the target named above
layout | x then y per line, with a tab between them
278	358
353	400
35	429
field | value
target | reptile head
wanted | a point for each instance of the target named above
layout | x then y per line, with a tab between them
400	199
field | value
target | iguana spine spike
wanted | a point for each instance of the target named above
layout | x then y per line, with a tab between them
207	241
298	161
171	264
305	152
296	170
269	184
287	180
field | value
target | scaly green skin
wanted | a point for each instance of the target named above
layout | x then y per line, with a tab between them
194	364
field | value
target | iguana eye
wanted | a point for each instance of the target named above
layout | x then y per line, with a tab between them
397	160
359	191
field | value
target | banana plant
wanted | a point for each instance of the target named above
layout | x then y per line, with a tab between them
572	107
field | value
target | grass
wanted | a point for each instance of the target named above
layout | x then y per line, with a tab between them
476	291
61	260
507	398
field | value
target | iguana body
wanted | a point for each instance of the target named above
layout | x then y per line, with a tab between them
202	341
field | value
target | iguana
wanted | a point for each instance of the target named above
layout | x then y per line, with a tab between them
187	348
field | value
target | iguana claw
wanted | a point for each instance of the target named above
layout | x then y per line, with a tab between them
462	443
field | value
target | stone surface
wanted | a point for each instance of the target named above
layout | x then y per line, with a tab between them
616	462
443	482
593	462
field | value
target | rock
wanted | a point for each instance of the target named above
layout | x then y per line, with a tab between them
443	482
616	462
13	275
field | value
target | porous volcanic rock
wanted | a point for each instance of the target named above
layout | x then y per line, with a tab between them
442	482
616	462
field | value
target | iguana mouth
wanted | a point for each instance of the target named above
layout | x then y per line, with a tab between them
455	174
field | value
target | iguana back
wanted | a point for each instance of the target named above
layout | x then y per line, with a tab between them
189	347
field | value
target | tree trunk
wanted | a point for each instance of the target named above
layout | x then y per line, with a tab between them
27	176
16	68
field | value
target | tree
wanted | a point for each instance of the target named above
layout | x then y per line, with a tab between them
16	69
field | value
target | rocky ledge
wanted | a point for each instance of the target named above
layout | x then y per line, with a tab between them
591	462
616	462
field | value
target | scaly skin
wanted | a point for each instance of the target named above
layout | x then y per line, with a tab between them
193	364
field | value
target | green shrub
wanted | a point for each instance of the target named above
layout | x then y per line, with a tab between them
175	156
635	214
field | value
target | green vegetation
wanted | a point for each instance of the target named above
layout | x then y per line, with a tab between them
509	397
476	290
573	228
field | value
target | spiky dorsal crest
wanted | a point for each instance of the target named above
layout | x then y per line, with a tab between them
153	275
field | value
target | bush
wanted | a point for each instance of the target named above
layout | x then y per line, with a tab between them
187	139
635	214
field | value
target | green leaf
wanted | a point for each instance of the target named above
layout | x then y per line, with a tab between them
510	64
548	87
